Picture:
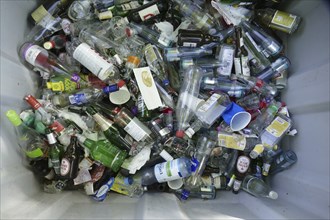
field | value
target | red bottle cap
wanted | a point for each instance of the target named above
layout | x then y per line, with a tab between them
116	110
121	83
259	83
32	101
179	134
168	110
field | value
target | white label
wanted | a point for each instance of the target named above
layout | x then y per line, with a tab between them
130	6
165	131
136	129
243	164
147	87
65	167
167	171
209	103
189	44
149	12
92	61
51	138
32	53
226	57
245	66
237	63
65	24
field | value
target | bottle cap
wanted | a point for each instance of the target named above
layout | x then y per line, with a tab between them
175	184
134	60
121	83
128	180
121	96
179	134
273	195
13	118
49	45
185	194
49	85
257	150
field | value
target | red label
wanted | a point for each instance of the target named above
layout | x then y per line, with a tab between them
57	127
32	102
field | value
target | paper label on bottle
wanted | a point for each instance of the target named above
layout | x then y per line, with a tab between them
136	129
149	12
147	87
57	86
265	168
245	66
226	57
209	103
93	61
57	127
78	99
129	6
232	141
237	64
32	53
65	166
243	163
278	127
194	164
165	131
283	19
39	13
167	171
189	44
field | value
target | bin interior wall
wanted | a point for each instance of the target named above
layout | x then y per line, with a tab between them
303	190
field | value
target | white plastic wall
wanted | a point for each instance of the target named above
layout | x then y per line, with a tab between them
303	190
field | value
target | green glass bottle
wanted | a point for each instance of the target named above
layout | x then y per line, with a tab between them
104	152
55	151
109	130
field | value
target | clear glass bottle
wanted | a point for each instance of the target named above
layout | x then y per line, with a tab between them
201	19
148	34
258	187
177	53
278	20
186	104
37	57
266	41
207	114
275	69
88	95
30	142
265	118
94	62
276	130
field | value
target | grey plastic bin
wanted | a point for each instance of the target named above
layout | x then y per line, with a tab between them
303	190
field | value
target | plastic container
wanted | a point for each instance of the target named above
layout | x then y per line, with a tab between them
303	190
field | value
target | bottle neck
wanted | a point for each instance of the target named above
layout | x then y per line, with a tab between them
104	123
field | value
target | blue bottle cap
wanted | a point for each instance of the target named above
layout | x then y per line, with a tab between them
185	194
128	180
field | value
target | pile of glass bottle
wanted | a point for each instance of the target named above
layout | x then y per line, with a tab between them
171	96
